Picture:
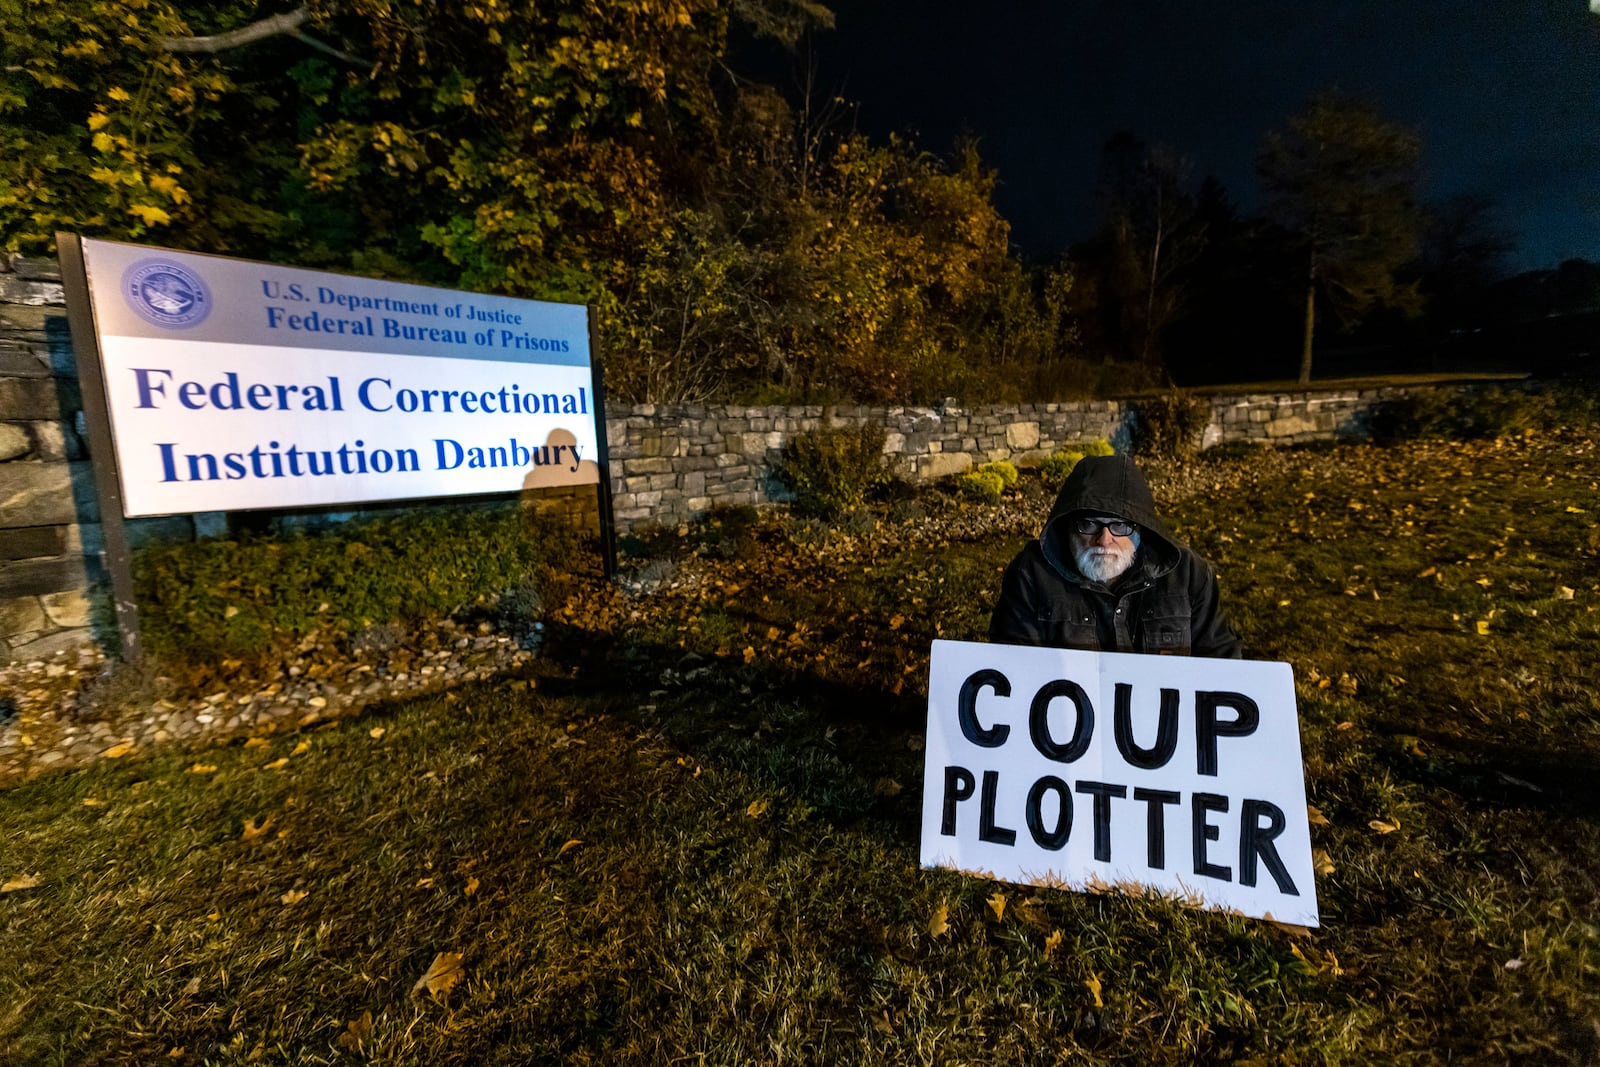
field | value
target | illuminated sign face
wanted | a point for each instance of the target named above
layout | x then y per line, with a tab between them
235	385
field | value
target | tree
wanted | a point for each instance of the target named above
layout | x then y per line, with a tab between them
734	245
1153	235
1464	252
1343	181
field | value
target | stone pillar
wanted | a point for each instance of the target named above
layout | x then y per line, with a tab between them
47	506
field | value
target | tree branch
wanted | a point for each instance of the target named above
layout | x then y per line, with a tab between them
285	25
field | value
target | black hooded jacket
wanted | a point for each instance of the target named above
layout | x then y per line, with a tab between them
1167	602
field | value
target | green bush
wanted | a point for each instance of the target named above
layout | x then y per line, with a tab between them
222	597
1486	413
1057	467
832	471
1099	447
1006	471
1170	424
984	485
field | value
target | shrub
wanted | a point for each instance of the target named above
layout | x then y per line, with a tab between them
216	598
1057	467
832	471
1496	411
1099	447
984	485
1170	424
1006	471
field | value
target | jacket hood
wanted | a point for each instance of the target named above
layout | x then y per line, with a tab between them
1109	485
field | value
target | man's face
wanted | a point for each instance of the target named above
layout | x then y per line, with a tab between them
1103	546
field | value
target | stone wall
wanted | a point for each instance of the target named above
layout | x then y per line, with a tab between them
50	542
668	464
47	507
672	463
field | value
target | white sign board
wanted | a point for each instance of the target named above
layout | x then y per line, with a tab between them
235	385
1086	770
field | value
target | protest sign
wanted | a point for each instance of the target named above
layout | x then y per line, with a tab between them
1088	770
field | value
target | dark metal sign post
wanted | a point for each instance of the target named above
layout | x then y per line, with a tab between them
97	414
608	524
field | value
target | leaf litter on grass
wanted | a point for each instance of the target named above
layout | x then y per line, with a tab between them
689	926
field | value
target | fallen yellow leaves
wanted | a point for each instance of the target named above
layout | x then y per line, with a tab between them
568	847
1052	944
357	1033
441	976
276	765
1317	961
471	887
939	923
203	768
1092	984
292	897
21	882
757	809
301	749
1314	814
997	904
255	829
1381	827
1321	863
375	733
118	751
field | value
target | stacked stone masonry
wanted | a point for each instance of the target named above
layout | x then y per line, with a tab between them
669	464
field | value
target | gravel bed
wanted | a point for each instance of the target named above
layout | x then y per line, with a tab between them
78	707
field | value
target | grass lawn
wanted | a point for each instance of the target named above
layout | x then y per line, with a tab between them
689	834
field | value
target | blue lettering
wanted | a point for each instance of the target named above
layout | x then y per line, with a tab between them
148	389
449	461
169	469
366	400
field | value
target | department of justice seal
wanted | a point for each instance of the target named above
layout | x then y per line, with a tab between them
164	294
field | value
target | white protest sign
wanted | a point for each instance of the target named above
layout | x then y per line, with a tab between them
234	385
1085	770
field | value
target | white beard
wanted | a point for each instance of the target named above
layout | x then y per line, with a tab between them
1104	565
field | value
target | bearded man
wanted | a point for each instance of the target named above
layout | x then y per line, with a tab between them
1107	575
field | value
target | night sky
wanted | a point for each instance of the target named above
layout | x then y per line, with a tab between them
1506	95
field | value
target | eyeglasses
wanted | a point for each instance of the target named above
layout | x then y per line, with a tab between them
1092	527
